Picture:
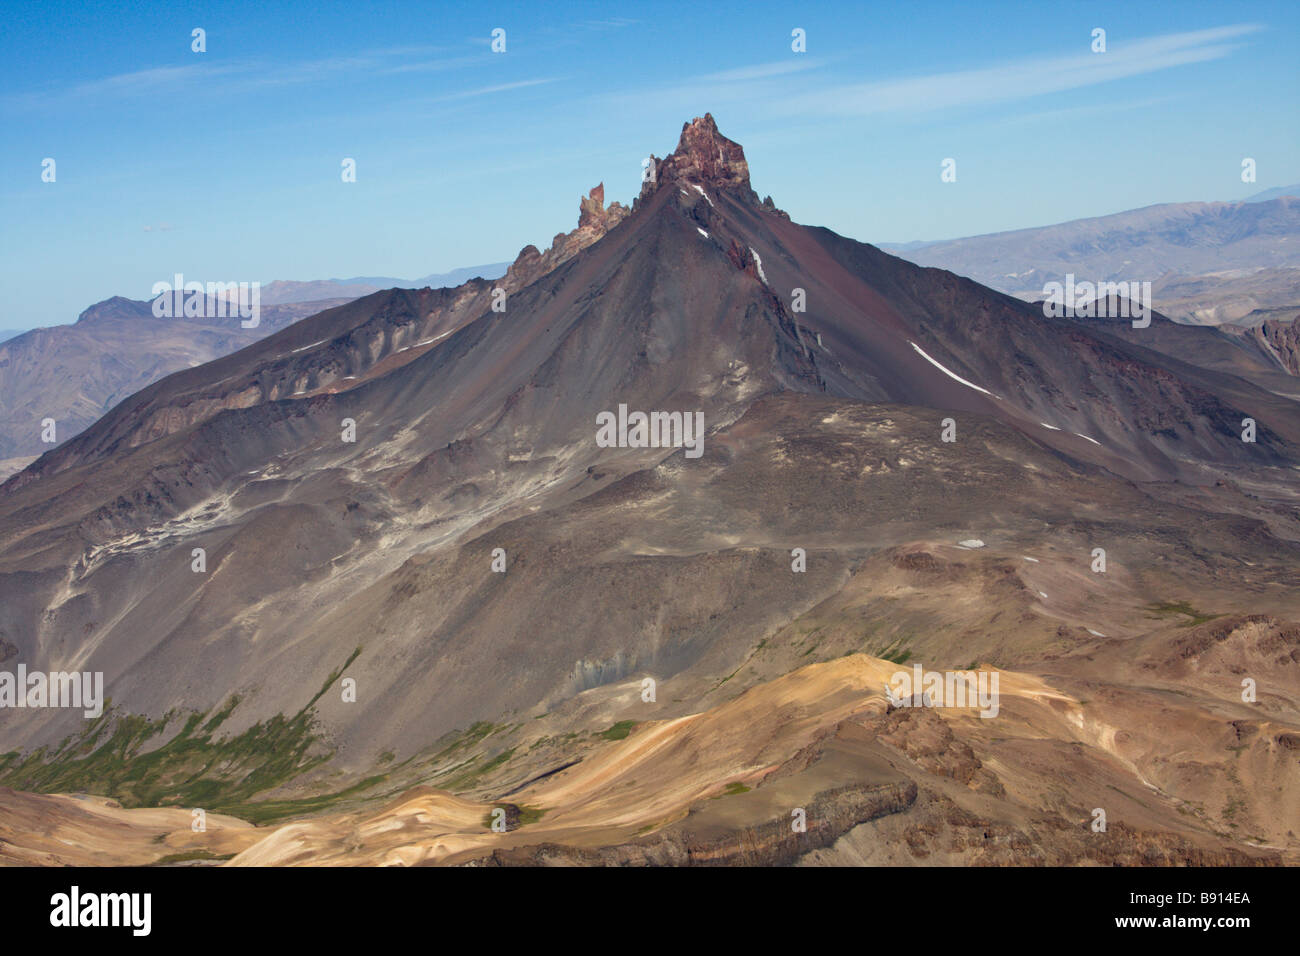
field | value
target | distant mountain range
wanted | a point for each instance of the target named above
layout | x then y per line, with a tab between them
1208	263
75	373
1276	193
283	291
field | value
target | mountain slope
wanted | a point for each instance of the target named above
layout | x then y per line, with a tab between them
75	373
476	430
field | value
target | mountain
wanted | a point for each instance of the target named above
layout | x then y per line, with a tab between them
283	291
1208	263
117	347
437	581
74	373
435	280
1276	192
1142	244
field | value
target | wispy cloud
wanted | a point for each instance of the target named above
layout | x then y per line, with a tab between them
1021	79
496	88
435	66
147	82
607	23
761	71
1078	112
237	77
797	87
760	82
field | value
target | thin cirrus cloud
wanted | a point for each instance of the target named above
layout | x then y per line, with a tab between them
234	77
150	82
763	81
762	71
496	88
1021	79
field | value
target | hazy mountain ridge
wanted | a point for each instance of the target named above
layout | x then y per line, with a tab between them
1207	262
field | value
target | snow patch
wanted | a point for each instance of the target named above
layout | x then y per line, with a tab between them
758	261
700	190
971	543
1052	427
1094	633
701	232
1086	438
312	346
1028	558
951	375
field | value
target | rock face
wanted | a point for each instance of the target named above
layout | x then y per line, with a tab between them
830	815
704	157
594	220
1282	339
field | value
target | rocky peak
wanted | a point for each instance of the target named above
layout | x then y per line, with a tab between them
117	307
594	220
703	157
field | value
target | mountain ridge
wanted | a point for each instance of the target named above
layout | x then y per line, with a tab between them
354	479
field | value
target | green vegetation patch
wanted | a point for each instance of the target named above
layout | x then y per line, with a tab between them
193	769
619	731
1179	608
895	653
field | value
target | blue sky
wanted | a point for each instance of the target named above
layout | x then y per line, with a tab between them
225	165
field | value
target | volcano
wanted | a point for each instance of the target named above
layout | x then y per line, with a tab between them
384	549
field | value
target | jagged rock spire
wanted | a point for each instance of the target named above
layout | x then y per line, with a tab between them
705	158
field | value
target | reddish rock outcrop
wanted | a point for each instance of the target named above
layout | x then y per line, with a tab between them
1282	339
594	220
705	158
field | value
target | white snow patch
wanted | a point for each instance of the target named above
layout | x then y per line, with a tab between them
1042	594
312	346
951	375
1086	438
1028	558
758	261
700	190
1094	633
1052	427
971	543
435	338
701	232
